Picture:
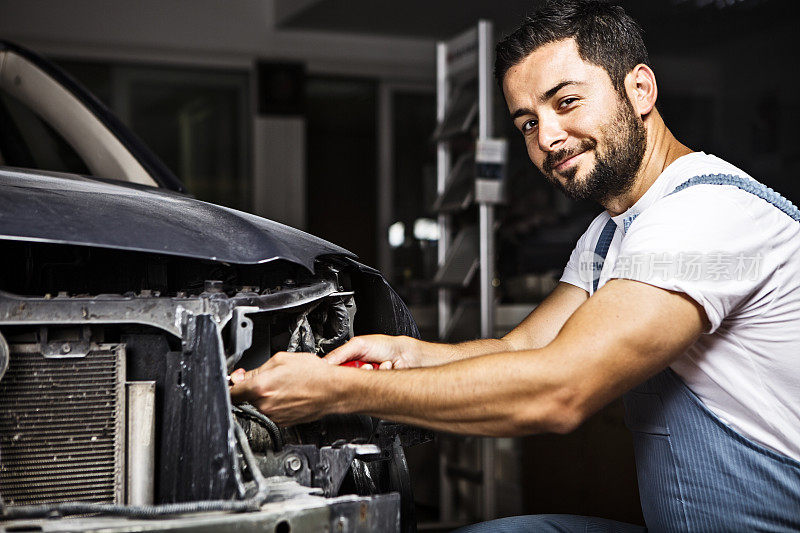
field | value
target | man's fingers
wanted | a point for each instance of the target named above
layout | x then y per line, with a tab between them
355	348
340	355
238	375
244	388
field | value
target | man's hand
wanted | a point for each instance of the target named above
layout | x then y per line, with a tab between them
536	331
290	388
625	333
383	351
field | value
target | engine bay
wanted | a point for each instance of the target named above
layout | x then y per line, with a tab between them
114	393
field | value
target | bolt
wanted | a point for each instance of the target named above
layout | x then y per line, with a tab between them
212	285
293	464
66	348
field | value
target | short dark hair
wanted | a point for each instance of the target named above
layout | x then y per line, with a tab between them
606	36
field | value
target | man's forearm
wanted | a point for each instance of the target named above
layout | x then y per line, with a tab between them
433	353
600	352
536	331
500	394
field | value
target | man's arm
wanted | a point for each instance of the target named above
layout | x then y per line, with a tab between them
543	324
618	338
536	331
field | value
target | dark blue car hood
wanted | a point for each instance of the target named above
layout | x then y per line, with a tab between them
68	209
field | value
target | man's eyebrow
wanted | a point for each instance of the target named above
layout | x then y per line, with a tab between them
521	112
560	85
547	95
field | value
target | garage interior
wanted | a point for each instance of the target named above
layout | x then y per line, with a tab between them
321	115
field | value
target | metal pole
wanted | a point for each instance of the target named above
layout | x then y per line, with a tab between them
442	170
443	303
485	80
141	441
486	227
486	213
486	210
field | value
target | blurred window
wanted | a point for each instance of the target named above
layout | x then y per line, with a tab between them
195	120
29	142
341	150
413	193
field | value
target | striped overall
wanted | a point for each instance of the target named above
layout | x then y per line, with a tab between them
695	472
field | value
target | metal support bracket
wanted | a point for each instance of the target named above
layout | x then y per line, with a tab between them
241	333
65	348
324	467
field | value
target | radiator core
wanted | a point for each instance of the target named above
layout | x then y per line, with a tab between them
62	427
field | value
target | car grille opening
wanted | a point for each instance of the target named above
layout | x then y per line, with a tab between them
62	427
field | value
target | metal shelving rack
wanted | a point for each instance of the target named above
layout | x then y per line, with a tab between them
465	97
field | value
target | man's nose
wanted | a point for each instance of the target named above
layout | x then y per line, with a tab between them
551	135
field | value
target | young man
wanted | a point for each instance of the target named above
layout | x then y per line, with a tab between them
686	302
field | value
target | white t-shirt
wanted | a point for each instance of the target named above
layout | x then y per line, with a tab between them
739	257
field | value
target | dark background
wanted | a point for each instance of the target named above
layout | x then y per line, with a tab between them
728	82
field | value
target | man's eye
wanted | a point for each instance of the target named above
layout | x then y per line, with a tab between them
528	125
566	102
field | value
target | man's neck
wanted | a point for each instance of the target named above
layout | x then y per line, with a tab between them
662	149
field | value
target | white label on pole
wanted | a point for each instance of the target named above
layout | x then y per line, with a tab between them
491	151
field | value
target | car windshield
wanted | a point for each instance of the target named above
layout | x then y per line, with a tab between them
45	126
27	141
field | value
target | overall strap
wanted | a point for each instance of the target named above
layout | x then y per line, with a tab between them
750	186
695	472
747	185
601	250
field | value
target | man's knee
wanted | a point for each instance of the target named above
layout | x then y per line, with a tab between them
519	524
552	523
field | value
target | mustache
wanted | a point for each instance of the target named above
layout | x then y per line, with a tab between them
553	159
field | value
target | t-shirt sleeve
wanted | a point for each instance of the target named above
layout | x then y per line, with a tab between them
702	243
572	272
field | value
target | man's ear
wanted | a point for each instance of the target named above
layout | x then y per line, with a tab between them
640	84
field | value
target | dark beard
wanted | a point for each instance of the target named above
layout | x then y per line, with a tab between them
615	170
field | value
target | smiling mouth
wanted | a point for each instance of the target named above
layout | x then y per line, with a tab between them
563	165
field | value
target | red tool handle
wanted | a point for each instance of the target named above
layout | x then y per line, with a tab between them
355	364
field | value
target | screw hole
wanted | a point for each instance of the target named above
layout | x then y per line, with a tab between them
244	324
283	527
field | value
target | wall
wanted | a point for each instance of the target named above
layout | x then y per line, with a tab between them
203	32
217	34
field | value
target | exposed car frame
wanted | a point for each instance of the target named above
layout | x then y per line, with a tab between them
143	284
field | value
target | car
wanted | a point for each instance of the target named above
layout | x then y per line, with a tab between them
124	305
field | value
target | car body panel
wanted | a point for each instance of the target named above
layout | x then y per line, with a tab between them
69	209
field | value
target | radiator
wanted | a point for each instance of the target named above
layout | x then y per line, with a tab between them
62	427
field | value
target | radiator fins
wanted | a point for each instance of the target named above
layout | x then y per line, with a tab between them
62	427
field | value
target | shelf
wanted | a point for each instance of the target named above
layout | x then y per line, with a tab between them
461	261
506	317
461	114
459	192
465	322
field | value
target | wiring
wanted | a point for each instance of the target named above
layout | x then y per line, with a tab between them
271	427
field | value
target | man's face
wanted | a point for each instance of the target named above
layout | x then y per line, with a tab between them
580	132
